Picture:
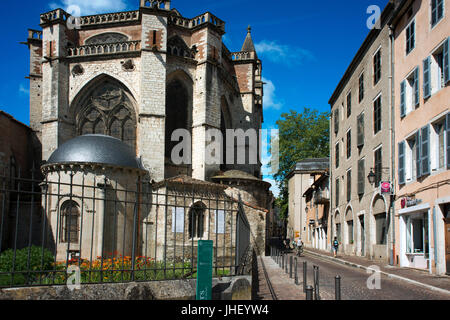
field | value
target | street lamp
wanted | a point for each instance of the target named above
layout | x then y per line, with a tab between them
371	177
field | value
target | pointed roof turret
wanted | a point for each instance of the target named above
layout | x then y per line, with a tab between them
248	43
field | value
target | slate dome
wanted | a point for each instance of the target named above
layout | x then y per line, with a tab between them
94	148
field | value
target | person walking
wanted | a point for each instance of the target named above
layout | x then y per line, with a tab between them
335	246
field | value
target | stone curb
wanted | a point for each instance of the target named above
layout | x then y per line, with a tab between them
389	275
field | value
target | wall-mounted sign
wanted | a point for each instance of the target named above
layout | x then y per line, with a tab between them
409	202
386	188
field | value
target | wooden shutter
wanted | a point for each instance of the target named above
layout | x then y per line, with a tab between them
401	162
360	139
446	61
448	140
426	78
361	173
337	192
416	87
336	120
402	99
425	150
418	155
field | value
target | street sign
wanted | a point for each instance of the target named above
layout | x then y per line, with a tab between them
386	188
204	269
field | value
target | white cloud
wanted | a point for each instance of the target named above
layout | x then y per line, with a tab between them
280	53
23	90
269	99
90	7
275	189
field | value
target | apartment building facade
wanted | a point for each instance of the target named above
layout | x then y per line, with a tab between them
361	144
422	134
301	178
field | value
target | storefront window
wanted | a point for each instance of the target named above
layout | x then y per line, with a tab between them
417	234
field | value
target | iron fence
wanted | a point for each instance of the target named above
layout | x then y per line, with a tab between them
114	227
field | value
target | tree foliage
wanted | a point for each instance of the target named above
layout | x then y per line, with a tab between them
301	136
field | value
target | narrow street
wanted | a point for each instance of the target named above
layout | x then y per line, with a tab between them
353	283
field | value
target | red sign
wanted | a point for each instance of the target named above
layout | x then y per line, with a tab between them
386	187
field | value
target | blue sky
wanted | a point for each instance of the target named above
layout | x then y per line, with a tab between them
305	46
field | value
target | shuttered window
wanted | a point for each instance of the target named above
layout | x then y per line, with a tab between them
336	120
377	115
446	60
349	144
425	150
378	166
403	98
410	37
337	192
448	140
426	78
349	104
361	176
337	155
361	87
360	126
401	162
417	156
437	11
377	67
349	185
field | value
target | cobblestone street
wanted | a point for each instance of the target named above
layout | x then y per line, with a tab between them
353	282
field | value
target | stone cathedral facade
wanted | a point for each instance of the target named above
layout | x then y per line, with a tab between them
138	76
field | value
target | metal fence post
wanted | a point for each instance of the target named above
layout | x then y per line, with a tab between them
309	293
282	261
286	264
338	287
304	275
316	283
295	270
290	266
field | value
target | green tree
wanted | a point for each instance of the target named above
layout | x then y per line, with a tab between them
301	136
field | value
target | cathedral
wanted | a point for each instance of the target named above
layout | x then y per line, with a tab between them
108	93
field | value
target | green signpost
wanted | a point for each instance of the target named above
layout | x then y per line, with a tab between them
204	269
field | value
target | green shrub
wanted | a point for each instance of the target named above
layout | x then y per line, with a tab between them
38	262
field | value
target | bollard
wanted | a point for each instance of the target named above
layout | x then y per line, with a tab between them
338	287
295	270
304	276
282	261
290	266
309	293
316	283
286	264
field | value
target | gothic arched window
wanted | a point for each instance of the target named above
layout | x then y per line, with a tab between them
108	110
70	214
197	220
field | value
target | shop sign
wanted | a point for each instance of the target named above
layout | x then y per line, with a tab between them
409	202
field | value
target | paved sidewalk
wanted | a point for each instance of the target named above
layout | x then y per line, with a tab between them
414	276
283	287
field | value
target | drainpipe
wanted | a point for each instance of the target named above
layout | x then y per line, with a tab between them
392	142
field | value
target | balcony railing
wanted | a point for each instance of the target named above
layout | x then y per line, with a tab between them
242	56
322	196
105	48
109	18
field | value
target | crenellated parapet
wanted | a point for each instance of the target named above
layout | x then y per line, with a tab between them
243	56
156	4
200	20
109	18
104	48
54	16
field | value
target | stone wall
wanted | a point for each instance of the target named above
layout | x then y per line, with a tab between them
234	288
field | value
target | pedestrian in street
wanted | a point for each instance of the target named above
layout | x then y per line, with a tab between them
335	246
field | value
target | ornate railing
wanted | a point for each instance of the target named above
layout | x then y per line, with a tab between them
244	55
109	18
105	48
54	15
199	20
